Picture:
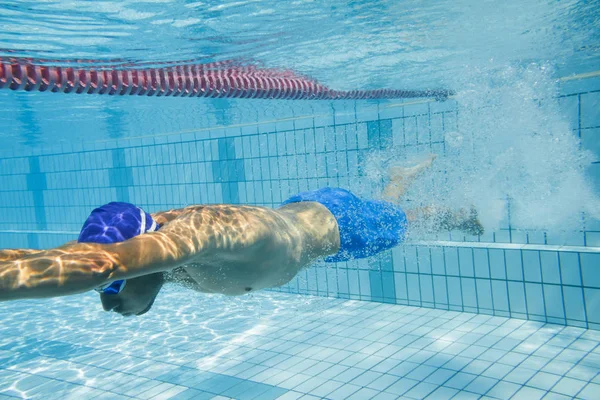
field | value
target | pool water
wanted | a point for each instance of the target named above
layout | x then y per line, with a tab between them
513	313
276	346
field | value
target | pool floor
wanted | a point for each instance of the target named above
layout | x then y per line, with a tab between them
278	346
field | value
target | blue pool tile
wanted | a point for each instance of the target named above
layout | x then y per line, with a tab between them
421	390
592	303
590	392
569	266
484	294
426	289
582	372
481	385
437	261
514	267
465	260
516	294
570	107
364	393
589	269
375	283
411	260
477	366
402	386
29	382
451	257
543	380
423	261
413	286
531	266
454	291
572	356
556	396
558	367
469	292
590	104
326	388
568	386
503	390
271	394
498	371
535	300
354	284
366	378
170	393
527	393
481	265
194	394
383	382
462	395
343	392
389	286
520	375
440	292
457	363
553	299
421	372
574	307
218	384
398	259
252	390
591	360
500	295
440	376
460	380
442	393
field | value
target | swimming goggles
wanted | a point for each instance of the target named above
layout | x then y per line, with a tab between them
112	288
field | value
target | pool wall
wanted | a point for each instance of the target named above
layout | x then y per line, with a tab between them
185	153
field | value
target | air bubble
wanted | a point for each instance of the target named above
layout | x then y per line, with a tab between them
453	139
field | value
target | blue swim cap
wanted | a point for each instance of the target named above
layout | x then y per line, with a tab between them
116	222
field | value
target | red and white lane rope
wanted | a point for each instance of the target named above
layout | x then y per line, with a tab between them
221	79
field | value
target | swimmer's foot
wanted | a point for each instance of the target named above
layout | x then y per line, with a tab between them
402	177
463	220
471	225
404	173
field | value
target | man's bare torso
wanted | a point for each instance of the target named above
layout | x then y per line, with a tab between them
252	247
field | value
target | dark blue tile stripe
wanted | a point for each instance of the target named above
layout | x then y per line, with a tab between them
36	183
120	176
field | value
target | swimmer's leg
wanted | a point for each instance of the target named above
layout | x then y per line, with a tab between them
436	219
402	177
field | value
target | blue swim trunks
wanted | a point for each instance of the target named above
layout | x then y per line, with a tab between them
366	227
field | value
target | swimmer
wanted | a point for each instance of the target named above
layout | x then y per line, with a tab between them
127	254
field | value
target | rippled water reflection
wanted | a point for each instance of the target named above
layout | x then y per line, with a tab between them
72	339
346	44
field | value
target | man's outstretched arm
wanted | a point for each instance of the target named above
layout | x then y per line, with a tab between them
80	267
13	254
161	218
73	269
